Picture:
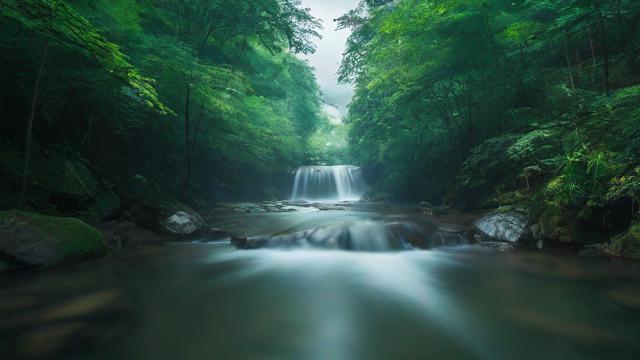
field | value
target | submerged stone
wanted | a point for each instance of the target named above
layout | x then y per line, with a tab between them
363	235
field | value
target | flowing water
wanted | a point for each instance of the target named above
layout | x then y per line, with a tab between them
328	183
211	301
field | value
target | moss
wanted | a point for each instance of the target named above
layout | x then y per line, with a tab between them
558	223
88	217
104	205
626	245
77	239
52	173
65	177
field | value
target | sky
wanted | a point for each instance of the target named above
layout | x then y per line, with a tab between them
327	58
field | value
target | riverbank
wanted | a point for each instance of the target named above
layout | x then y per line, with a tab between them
360	226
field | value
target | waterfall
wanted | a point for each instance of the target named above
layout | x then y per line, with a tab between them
328	183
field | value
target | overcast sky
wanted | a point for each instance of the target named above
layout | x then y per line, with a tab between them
327	58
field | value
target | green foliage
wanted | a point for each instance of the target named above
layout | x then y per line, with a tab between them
328	146
59	22
584	178
626	186
244	105
451	81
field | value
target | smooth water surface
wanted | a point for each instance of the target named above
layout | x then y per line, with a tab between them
195	301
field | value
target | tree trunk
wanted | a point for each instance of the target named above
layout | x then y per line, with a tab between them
593	51
187	143
605	47
29	134
623	36
566	55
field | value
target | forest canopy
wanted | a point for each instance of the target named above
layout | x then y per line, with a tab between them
510	95
193	98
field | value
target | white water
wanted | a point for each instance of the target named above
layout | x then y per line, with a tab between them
328	183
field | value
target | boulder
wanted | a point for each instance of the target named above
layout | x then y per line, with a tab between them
170	220
558	224
60	184
508	225
182	223
593	251
55	178
106	204
626	245
32	240
120	234
493	247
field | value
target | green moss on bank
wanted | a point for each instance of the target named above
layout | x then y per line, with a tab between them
626	245
53	240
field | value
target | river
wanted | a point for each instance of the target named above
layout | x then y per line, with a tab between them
209	300
350	285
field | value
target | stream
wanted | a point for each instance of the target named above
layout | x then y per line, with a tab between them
208	300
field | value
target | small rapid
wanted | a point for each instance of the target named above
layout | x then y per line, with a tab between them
328	183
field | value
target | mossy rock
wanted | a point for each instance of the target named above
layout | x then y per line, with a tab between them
104	205
55	178
626	245
33	240
558	224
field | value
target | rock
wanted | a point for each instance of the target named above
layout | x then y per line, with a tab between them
626	245
60	184
181	223
493	247
558	224
55	178
366	235
302	203
593	251
119	234
507	226
170	220
106	204
32	240
536	232
430	209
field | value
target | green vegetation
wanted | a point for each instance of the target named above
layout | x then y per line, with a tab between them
470	104
201	100
37	240
627	245
532	102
